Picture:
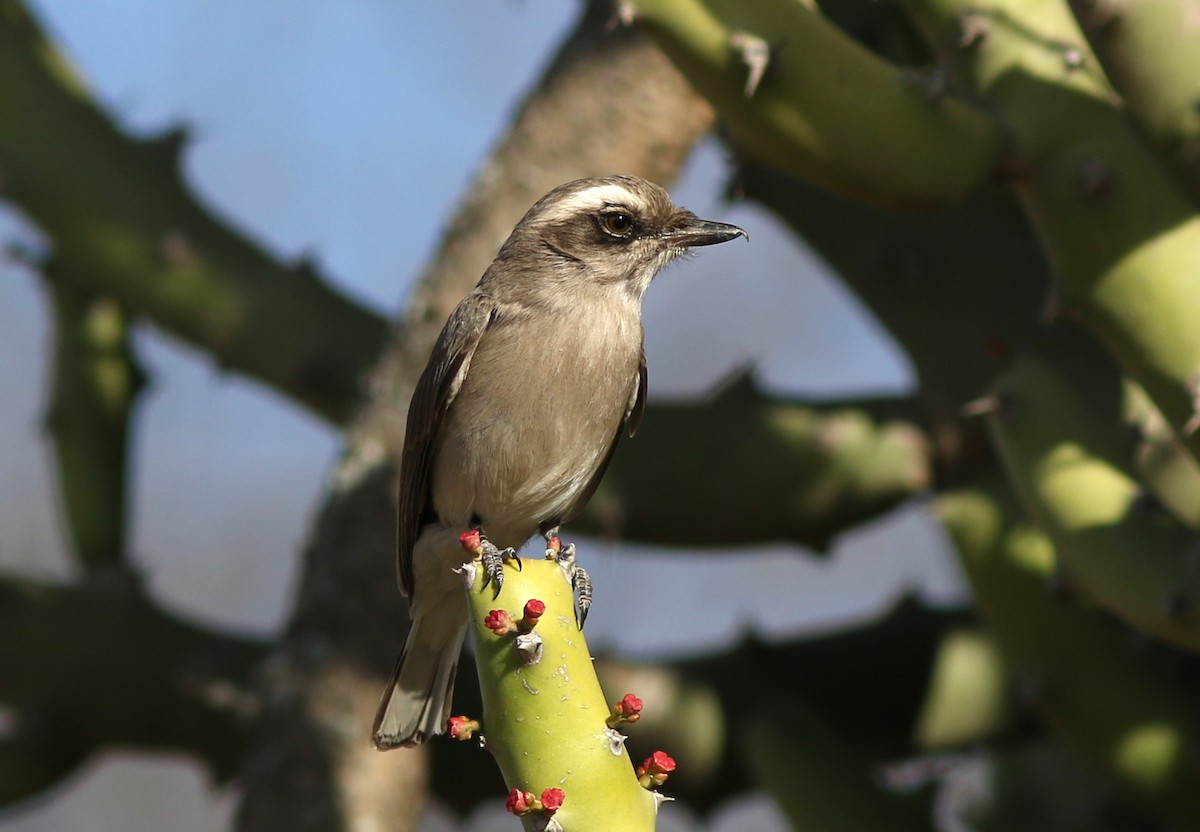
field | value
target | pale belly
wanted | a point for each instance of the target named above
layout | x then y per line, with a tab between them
522	440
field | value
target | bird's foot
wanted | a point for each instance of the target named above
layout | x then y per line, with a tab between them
493	559
581	582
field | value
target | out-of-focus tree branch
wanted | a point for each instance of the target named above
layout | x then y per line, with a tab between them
1150	50
94	391
755	61
787	471
93	667
123	221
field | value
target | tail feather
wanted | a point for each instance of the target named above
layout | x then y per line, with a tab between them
416	703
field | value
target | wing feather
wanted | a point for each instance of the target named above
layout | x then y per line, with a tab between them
435	391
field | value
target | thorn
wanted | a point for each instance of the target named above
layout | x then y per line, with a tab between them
530	648
25	254
1060	588
972	29
756	55
936	84
168	146
999	349
623	16
1193	389
1095	181
1178	607
1052	308
1031	693
616	741
1147	503
176	249
983	406
1072	57
659	800
467	570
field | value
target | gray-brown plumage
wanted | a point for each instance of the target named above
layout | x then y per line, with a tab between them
513	421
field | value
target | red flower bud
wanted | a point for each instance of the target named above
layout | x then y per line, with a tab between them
660	762
629	709
499	622
519	802
462	727
654	769
552	800
534	609
472	541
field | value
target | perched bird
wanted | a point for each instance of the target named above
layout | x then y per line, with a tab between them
511	425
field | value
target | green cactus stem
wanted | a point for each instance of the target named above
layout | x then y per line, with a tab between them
95	387
544	719
1161	461
844	464
1101	694
1151	52
1071	466
825	108
819	779
122	220
1120	235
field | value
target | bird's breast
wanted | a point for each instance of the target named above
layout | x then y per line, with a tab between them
543	400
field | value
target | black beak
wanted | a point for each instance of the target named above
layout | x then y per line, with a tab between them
693	231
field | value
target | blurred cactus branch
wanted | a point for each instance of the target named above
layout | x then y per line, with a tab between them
819	780
799	95
1071	461
1142	734
788	471
1120	235
111	669
962	290
122	220
95	387
1162	94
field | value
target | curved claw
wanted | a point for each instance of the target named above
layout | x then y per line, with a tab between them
581	583
493	564
493	567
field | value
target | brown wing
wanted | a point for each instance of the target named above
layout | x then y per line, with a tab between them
439	384
633	418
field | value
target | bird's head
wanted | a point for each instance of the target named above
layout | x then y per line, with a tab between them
618	230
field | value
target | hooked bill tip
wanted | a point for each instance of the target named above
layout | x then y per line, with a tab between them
705	233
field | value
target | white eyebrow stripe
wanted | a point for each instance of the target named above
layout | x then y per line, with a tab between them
593	199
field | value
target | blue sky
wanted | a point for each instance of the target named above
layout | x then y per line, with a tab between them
348	132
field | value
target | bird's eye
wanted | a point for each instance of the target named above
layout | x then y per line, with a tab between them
617	223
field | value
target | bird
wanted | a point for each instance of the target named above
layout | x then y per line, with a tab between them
536	375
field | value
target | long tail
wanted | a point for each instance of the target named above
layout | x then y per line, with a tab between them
416	704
